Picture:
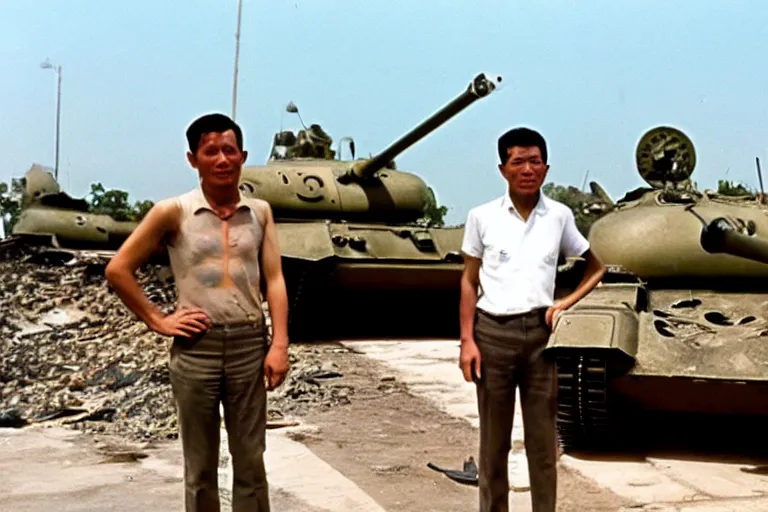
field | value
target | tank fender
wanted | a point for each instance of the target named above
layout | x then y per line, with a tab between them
309	241
593	327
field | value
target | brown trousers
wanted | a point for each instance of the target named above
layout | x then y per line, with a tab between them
511	351
225	365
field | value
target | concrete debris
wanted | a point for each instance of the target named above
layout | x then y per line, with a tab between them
74	354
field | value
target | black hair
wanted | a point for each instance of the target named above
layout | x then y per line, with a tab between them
212	123
523	137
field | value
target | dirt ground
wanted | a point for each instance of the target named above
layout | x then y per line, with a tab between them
381	441
384	439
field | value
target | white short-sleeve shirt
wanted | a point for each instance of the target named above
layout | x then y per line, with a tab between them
519	258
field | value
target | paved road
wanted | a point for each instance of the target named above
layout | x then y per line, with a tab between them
56	469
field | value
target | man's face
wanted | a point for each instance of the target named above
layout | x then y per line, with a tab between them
524	170
218	159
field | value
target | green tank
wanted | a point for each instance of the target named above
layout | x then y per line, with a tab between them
352	233
52	218
355	245
678	323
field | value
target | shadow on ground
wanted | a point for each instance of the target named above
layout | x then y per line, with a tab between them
691	437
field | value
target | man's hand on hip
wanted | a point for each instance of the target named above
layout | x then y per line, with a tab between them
182	322
469	360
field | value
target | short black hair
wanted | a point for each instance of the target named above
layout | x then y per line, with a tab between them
212	123
523	137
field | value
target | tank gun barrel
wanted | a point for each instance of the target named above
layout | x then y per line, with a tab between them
720	236
480	87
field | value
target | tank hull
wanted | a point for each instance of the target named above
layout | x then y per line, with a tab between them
629	348
347	279
72	228
676	394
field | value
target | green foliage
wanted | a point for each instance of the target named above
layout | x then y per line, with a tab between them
578	202
115	204
10	204
728	188
434	215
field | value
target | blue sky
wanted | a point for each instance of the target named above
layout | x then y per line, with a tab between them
591	76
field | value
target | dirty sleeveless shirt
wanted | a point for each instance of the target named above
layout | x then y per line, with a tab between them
215	262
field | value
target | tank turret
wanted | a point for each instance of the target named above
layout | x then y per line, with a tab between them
653	232
369	189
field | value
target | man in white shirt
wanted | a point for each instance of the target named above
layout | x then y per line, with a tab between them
511	248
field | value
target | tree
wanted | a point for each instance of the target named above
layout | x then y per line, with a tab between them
115	204
10	204
586	208
728	188
434	215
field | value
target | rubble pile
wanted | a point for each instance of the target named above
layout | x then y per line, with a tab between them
72	352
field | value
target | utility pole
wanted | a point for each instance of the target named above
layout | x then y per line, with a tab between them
237	58
57	70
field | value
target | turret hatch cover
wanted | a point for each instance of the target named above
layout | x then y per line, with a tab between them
665	155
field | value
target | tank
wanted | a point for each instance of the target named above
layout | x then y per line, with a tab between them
52	218
355	246
354	241
678	323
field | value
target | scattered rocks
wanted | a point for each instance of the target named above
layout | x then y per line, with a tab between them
402	469
73	353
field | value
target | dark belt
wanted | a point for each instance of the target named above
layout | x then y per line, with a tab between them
537	313
237	324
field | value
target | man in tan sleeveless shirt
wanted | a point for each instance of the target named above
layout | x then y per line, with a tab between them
222	247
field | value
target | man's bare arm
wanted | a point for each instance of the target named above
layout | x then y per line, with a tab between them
160	222
470	281
469	356
277	296
593	273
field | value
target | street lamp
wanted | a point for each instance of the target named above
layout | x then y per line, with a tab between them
57	69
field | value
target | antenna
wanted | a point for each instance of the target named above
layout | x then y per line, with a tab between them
293	109
759	174
584	183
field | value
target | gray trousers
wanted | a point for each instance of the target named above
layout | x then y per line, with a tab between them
226	366
511	351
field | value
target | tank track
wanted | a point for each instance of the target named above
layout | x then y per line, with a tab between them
305	283
584	418
295	290
10	247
